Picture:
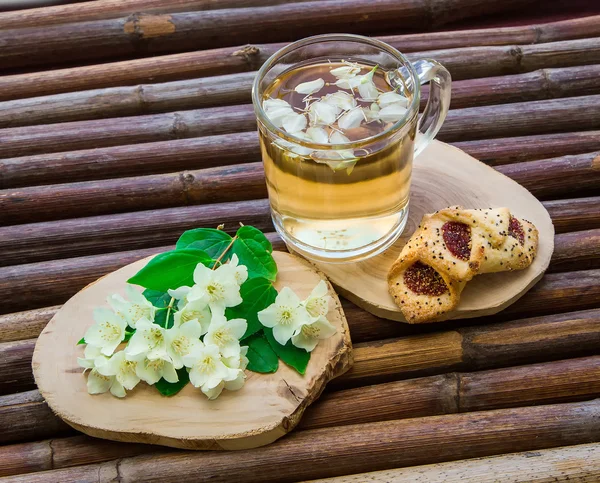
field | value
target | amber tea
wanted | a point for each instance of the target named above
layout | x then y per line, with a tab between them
338	155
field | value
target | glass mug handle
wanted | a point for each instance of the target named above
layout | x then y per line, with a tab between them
438	103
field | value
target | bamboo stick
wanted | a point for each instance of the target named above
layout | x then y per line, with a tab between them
530	86
357	448
115	8
545	179
556	177
129	101
236	89
38	17
522	118
25	416
129	160
72	237
168	32
36	284
25	325
569	463
238	59
527	148
575	250
88	198
561	381
574	215
15	360
126	231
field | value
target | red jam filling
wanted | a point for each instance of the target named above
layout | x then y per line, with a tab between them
515	229
457	237
424	280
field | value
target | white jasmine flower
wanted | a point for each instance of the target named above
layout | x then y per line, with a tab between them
276	110
349	82
92	357
240	272
294	122
346	71
293	149
307	337
322	114
372	114
338	138
196	310
149	339
151	371
218	288
317	303
99	384
269	104
392	112
317	135
226	334
356	81
108	331
368	91
134	309
124	370
238	362
181	340
276	116
214	392
284	316
340	158
207	370
387	98
351	119
310	87
340	99
180	294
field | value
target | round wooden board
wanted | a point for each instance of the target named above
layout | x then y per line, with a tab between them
266	408
444	176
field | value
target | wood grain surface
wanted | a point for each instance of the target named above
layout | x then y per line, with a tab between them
144	416
125	123
445	176
568	463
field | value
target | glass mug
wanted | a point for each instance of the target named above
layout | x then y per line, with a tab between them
348	201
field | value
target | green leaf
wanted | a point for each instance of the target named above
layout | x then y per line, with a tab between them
290	354
251	233
81	341
254	250
170	270
257	294
212	241
128	334
261	357
161	301
172	388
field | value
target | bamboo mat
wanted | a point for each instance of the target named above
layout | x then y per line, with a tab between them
125	122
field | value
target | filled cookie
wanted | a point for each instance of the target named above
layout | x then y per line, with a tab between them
448	249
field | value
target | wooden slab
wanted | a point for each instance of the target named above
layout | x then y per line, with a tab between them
266	408
444	176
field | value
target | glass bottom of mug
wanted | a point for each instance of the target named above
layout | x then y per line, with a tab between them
340	241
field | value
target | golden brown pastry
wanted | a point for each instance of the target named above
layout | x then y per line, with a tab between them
448	249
